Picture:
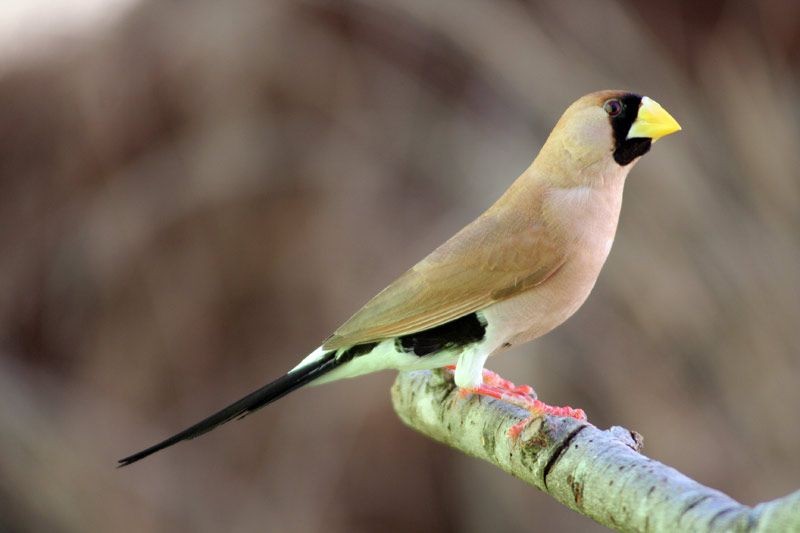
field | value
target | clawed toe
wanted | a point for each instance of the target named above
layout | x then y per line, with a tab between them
522	396
541	409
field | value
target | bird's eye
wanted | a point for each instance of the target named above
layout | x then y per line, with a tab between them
613	107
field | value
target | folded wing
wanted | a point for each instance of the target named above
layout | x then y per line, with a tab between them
497	256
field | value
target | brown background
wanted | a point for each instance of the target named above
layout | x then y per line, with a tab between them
193	195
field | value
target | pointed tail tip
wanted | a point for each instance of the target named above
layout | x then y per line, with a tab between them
244	406
125	461
138	456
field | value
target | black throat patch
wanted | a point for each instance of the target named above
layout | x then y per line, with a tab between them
626	150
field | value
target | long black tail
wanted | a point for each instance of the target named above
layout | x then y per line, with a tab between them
252	402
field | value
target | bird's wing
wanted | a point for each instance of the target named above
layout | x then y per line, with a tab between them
492	259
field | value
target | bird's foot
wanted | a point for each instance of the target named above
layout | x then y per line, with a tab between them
494	379
522	396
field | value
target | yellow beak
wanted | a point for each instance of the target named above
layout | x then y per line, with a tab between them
652	122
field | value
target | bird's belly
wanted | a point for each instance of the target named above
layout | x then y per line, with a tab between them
535	312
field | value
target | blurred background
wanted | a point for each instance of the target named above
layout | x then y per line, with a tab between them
194	195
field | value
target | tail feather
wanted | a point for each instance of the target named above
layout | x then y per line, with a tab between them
241	408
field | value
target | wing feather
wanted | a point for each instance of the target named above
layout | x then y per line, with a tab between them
499	255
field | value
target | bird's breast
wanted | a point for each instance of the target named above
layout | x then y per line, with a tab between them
587	221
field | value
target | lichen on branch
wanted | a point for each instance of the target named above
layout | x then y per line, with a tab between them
598	473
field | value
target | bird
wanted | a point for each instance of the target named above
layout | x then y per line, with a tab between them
513	274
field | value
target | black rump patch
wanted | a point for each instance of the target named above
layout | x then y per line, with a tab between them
454	334
356	351
626	150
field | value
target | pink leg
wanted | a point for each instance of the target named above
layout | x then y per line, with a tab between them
522	396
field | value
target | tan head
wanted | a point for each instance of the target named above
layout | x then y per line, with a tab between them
607	128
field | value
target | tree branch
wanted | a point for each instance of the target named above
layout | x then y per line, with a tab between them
599	474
